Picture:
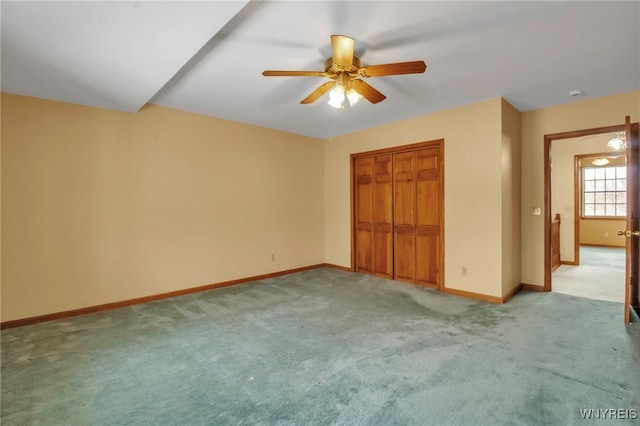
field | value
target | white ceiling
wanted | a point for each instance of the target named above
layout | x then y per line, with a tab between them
207	57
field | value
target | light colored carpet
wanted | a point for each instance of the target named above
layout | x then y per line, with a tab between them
325	347
600	275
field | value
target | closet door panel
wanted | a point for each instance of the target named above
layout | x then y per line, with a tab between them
429	208
405	216
382	216
363	216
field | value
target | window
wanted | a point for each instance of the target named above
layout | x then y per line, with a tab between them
604	191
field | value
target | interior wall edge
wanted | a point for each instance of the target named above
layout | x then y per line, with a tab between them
533	287
338	267
472	295
515	290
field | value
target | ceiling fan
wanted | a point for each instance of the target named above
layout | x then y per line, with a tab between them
344	68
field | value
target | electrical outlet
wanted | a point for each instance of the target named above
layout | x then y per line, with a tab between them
465	271
273	257
606	235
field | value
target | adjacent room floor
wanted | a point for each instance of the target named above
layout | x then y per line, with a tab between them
325	347
600	275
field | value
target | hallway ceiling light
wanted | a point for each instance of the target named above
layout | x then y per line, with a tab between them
600	162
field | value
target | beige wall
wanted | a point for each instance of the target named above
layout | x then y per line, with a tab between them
563	152
100	206
602	232
587	114
511	200
473	191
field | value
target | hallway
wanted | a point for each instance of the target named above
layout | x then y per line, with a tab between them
600	275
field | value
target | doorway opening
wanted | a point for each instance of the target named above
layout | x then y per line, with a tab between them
598	209
588	195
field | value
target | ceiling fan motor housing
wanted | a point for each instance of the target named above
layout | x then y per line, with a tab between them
331	67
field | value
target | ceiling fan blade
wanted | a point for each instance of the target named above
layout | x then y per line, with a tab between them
413	67
270	73
343	48
367	91
318	92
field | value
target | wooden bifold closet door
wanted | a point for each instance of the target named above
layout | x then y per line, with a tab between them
405	216
398	203
374	236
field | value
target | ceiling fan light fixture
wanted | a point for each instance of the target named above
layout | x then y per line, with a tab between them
353	97
617	142
336	97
